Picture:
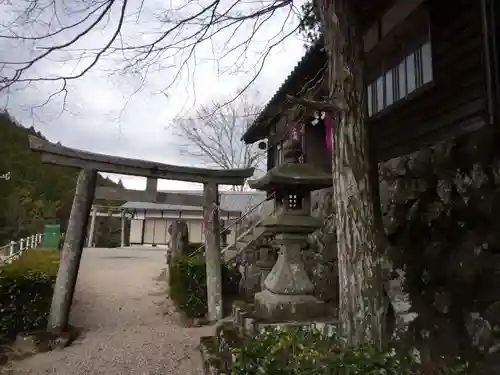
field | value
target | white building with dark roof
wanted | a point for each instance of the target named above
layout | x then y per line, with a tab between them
150	221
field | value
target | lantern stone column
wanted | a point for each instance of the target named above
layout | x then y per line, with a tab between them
287	291
266	258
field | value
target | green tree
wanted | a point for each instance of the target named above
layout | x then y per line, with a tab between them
36	191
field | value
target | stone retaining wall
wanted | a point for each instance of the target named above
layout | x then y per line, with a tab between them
441	209
441	216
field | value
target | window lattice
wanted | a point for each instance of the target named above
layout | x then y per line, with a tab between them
398	82
293	201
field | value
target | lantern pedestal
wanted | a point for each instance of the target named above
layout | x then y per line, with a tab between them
288	307
287	293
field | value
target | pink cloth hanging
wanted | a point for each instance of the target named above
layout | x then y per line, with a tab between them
294	131
328	131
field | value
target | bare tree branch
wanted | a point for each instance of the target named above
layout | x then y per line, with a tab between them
58	28
212	135
143	38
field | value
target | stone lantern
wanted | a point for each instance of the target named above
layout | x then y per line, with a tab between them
287	290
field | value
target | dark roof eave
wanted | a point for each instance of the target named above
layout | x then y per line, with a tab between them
257	130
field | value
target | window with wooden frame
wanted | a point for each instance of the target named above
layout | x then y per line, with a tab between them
400	65
400	81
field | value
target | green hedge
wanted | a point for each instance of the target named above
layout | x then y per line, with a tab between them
26	287
299	351
188	284
192	247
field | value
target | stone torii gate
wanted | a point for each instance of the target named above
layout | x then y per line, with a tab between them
91	163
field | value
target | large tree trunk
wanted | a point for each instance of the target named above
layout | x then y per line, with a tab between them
355	181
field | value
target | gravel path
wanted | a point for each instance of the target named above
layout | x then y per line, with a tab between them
130	327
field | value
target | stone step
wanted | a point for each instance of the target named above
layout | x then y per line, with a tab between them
244	321
231	247
212	364
227	337
229	254
216	351
247	237
258	231
326	327
241	245
245	241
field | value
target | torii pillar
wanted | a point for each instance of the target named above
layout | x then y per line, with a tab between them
71	252
92	228
123	229
212	251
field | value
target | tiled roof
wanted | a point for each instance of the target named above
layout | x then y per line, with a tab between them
159	206
284	88
230	201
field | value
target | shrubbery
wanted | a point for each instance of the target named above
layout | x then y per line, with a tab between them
61	241
191	248
26	287
188	284
114	242
299	351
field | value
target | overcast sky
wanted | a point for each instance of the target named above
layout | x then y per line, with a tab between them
100	115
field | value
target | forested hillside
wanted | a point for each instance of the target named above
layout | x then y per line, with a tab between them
35	192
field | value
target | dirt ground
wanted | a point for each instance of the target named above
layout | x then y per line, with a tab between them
129	327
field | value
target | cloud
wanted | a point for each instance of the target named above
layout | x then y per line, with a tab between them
126	114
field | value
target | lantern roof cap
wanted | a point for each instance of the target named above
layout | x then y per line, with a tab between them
292	175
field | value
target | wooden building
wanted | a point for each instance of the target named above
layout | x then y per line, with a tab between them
432	72
150	221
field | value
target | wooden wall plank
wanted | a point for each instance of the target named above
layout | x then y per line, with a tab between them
456	102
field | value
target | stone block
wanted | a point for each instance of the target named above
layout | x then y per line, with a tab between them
250	326
212	364
235	312
241	321
278	307
326	328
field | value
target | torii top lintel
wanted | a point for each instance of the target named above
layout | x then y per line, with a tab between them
61	155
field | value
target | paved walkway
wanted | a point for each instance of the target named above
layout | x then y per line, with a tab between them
130	327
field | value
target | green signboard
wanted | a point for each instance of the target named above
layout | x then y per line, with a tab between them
51	236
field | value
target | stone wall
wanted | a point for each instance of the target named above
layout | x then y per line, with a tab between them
441	211
441	208
320	258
